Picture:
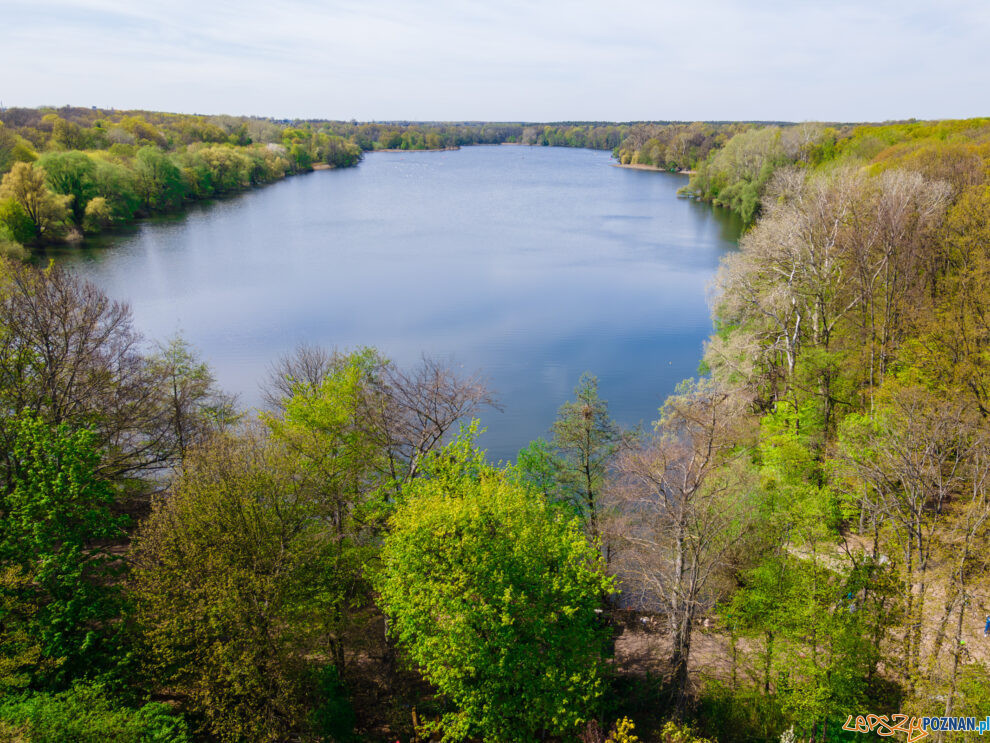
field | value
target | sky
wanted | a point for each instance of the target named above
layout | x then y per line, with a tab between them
503	60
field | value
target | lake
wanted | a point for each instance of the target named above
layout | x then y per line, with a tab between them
528	264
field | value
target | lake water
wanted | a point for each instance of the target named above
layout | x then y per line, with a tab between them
528	264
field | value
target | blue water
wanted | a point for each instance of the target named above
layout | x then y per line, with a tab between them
528	264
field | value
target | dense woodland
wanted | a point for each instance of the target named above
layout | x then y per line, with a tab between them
801	536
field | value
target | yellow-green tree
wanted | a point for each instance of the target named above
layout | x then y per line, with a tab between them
25	185
492	592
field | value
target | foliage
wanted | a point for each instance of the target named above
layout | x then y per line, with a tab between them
737	713
46	211
58	596
19	225
87	714
622	732
342	154
237	584
70	355
492	593
673	146
71	174
98	215
735	175
674	733
585	441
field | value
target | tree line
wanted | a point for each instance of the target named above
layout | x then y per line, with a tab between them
737	172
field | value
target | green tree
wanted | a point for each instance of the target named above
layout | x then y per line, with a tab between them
13	149
236	588
586	440
342	154
71	174
47	211
118	185
97	216
16	220
493	594
159	180
330	429
194	405
54	515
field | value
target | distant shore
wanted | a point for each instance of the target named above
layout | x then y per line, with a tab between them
436	149
654	168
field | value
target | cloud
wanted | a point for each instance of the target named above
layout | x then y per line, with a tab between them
513	60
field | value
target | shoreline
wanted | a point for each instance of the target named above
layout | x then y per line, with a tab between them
398	149
652	168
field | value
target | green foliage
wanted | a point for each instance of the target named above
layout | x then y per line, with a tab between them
539	467
735	175
731	714
159	182
18	224
13	149
492	593
973	690
674	733
71	174
20	650
342	154
585	439
236	580
117	184
46	212
87	714
332	716
98	215
191	400
672	146
58	593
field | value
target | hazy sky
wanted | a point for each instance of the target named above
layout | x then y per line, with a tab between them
503	59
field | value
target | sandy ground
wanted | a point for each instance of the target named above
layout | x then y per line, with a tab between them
653	168
643	647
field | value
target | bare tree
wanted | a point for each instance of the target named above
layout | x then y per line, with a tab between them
424	404
69	354
677	506
912	460
889	250
834	249
412	410
308	366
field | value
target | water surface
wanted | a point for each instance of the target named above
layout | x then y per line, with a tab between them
529	264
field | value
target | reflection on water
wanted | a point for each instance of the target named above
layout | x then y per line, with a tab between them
529	264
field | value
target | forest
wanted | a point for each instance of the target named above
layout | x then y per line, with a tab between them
799	539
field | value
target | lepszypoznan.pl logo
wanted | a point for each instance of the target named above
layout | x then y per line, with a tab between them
917	728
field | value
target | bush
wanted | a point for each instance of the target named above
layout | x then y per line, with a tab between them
85	714
674	733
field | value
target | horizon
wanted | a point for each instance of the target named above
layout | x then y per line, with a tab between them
474	122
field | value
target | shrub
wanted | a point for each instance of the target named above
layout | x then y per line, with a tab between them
86	714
